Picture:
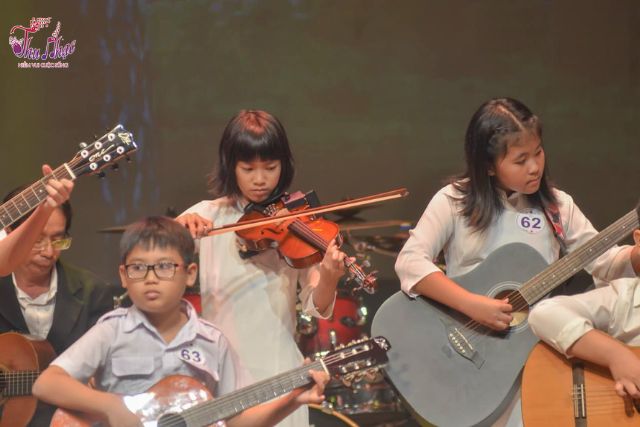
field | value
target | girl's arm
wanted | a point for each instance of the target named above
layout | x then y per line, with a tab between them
331	269
420	276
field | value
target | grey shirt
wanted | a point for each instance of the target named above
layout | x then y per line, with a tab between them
126	354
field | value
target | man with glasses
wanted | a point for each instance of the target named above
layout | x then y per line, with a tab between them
49	299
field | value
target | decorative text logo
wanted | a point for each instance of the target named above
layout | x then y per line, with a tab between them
49	54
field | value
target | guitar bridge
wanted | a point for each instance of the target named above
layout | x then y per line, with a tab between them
463	347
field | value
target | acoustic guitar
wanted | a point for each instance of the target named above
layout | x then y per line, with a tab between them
453	371
183	401
559	392
21	361
91	159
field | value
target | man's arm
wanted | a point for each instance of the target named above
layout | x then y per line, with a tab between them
16	246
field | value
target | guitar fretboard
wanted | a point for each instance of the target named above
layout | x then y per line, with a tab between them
30	198
564	268
17	383
233	403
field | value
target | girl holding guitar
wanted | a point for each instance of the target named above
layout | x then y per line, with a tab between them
251	297
504	196
17	246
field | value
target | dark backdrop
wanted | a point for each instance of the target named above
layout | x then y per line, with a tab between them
374	95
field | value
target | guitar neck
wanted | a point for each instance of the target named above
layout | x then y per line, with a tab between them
17	383
548	279
30	198
233	403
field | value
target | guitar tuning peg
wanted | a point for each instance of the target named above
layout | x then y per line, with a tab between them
115	166
95	137
83	145
101	175
128	159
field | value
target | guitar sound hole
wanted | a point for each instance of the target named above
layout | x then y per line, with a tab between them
519	316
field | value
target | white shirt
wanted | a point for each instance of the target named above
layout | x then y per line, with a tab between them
38	311
126	354
441	227
253	301
614	309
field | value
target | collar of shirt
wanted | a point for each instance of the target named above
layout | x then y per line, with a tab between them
43	299
194	326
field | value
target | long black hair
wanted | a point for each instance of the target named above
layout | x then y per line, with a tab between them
251	134
496	123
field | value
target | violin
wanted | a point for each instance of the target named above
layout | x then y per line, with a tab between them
301	241
268	227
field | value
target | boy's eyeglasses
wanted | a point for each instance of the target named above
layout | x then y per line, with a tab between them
57	244
162	270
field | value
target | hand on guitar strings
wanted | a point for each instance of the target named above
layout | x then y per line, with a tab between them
490	312
59	190
314	394
119	415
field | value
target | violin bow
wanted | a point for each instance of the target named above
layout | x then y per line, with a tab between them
348	204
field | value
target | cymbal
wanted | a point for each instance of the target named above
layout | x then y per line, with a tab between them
367	225
117	229
385	245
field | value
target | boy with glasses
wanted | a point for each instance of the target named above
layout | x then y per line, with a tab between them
131	349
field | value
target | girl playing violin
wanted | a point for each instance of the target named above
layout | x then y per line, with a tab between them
253	298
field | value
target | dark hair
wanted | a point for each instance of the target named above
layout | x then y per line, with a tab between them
157	232
494	125
251	134
65	208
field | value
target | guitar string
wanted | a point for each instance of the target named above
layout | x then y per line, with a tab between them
253	391
615	232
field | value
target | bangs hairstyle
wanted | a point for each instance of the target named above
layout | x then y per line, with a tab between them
249	135
65	208
157	232
495	125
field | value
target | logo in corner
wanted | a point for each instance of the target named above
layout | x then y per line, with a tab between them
40	53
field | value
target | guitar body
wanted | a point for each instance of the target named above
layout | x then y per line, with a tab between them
548	397
20	354
440	385
172	394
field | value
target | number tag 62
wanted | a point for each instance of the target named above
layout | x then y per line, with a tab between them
531	222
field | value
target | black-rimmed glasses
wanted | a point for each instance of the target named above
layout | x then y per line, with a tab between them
162	270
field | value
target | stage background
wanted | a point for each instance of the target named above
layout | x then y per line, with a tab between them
374	95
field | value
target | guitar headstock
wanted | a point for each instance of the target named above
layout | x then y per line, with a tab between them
358	358
105	151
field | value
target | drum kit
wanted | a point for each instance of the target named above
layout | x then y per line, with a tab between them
368	401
